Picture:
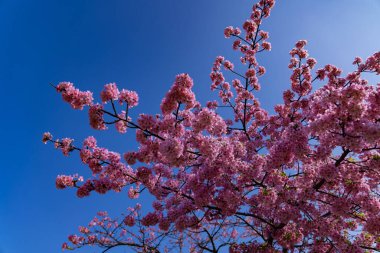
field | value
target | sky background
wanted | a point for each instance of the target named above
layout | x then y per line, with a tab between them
141	45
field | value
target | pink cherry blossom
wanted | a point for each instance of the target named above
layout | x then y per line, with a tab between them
266	45
47	137
96	117
180	92
230	175
63	181
122	124
78	99
130	97
110	92
129	221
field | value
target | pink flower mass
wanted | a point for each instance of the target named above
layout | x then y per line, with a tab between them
303	179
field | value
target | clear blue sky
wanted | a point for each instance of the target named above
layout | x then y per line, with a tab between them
141	45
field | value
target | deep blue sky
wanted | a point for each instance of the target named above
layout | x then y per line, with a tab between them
141	45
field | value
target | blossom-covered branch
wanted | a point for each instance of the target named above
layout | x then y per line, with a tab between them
305	179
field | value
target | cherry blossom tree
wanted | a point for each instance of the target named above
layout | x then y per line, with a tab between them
305	179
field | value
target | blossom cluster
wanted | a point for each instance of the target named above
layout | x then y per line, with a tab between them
302	179
76	98
180	93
